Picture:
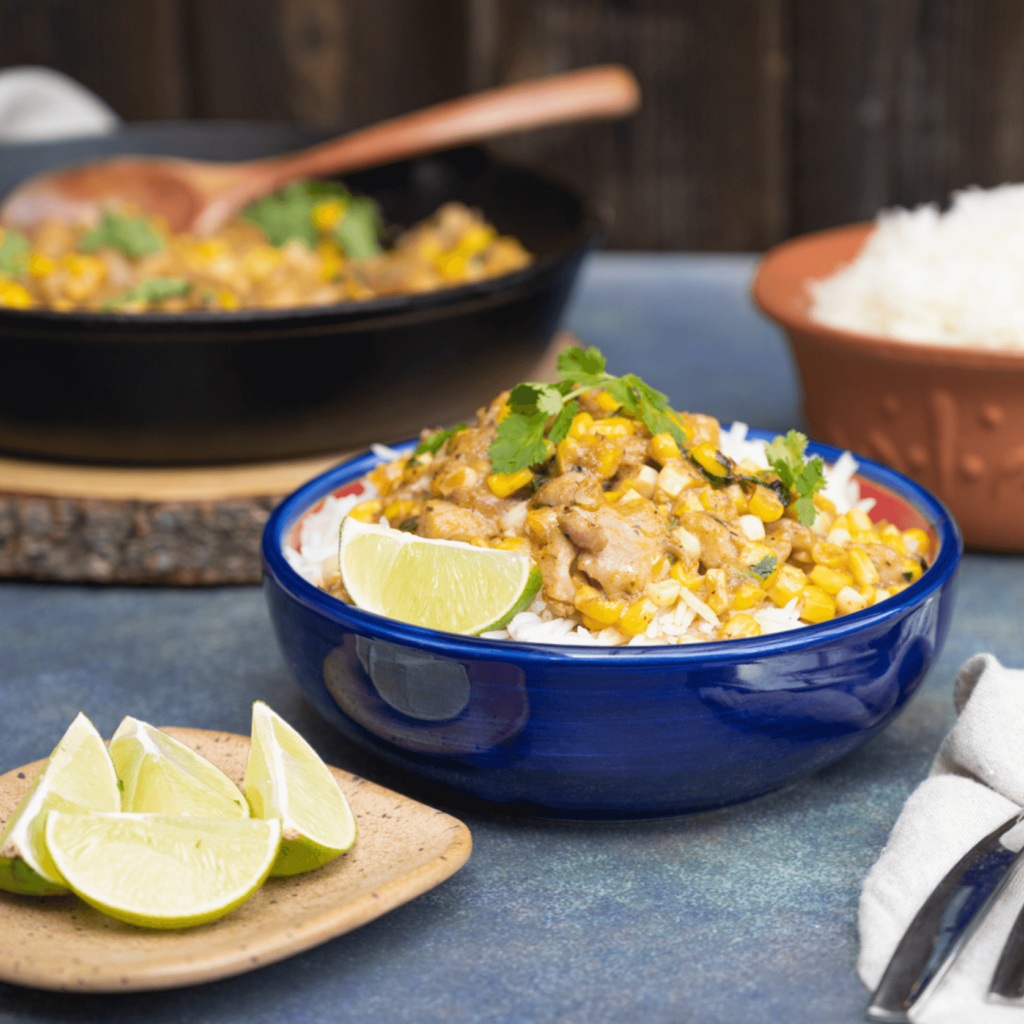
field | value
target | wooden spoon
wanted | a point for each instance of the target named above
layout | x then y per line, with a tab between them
200	196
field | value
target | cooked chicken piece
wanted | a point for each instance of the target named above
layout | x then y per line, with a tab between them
579	487
887	562
445	521
619	547
720	543
699	428
785	536
554	560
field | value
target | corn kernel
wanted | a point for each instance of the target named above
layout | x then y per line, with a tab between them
227	299
860	520
862	568
849	600
839	536
893	536
611	496
660	568
14	296
917	541
399	511
664	447
829	580
748	595
664	593
538	524
593	625
816	605
605	402
40	265
740	626
710	459
613	427
503	410
824	504
788	585
685	577
740	501
503	484
513	544
591	603
911	569
765	504
367	511
461	476
582	424
830	555
638	616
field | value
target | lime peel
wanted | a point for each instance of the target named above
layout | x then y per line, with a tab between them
78	777
438	584
162	871
285	779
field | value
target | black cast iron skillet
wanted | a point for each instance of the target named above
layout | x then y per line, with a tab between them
204	387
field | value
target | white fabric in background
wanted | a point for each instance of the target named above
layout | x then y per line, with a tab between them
976	782
37	104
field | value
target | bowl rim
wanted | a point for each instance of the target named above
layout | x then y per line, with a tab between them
782	296
455	645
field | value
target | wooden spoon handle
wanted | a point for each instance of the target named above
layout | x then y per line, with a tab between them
605	91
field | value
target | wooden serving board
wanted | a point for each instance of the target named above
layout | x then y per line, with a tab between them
402	849
183	526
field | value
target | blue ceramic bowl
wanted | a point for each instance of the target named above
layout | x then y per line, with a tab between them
613	733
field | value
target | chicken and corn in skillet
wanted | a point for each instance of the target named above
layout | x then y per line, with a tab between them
643	530
311	244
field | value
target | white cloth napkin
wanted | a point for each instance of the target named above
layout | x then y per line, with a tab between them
976	782
39	103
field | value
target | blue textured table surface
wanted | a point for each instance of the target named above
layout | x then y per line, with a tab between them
740	916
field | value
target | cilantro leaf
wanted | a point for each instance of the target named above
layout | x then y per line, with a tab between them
763	569
581	366
436	442
519	442
532	405
805	477
150	290
359	228
131	236
14	250
563	421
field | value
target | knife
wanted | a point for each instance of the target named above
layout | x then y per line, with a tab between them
943	926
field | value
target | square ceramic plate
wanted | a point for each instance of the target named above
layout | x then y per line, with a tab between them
403	849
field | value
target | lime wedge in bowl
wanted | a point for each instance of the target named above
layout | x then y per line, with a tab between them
285	779
160	775
440	584
162	871
78	778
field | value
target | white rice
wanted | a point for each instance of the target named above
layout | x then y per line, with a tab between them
954	278
690	621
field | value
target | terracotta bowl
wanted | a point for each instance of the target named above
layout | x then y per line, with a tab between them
951	418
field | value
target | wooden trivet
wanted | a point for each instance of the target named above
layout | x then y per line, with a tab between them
182	526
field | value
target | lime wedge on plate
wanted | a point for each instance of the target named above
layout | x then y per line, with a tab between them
162	871
77	778
440	584
285	779
162	776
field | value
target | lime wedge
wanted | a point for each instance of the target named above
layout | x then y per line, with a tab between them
162	871
440	584
159	775
285	779
77	778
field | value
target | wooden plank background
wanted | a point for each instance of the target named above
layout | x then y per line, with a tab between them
762	118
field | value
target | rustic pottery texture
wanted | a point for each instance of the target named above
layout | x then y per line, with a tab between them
951	418
403	849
